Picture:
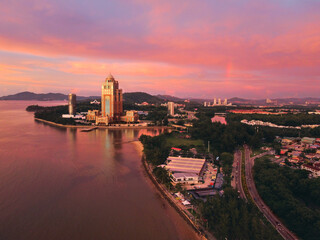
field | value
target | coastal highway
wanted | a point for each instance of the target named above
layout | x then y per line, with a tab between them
236	173
249	162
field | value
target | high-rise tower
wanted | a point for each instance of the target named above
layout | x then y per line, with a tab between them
111	99
171	108
72	103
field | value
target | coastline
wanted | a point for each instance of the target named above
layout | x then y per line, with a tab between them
102	127
163	192
166	195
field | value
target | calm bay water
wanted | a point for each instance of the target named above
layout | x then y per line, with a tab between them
65	184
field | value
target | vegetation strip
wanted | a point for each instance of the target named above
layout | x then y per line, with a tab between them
291	195
165	194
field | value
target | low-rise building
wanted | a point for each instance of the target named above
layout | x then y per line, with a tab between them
185	165
219	181
185	170
78	116
189	178
92	114
307	140
315	171
100	120
131	116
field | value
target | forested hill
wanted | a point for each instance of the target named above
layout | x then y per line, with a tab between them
35	96
42	96
140	97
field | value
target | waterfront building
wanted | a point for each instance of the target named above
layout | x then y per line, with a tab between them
102	120
112	105
171	108
92	114
72	103
111	99
130	117
185	165
189	178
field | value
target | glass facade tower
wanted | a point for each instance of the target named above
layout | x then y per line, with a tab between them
111	99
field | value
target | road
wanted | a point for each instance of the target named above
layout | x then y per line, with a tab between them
236	173
249	162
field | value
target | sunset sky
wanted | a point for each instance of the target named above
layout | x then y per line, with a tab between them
190	48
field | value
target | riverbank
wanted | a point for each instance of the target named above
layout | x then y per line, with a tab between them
173	202
104	127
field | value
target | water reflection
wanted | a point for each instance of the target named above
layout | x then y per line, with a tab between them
60	183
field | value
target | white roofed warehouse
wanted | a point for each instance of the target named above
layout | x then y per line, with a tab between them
185	166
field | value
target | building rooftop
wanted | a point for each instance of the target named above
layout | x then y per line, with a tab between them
184	175
185	165
110	77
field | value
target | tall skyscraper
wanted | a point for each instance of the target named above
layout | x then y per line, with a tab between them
111	99
171	108
72	103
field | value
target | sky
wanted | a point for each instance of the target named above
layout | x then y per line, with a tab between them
190	48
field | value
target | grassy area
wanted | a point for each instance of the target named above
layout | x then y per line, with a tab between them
173	141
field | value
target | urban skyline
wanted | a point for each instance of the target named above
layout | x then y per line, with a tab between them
250	49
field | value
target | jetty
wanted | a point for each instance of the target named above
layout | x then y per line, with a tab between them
89	129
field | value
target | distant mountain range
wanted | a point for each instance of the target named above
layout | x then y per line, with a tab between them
140	97
134	97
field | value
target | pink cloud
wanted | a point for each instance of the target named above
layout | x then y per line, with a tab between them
232	47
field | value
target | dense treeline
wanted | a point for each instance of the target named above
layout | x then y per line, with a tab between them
54	114
156	153
226	160
158	116
84	106
270	133
133	106
291	195
155	149
284	119
229	217
34	108
224	138
163	176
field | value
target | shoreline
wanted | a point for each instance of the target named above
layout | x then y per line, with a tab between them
100	127
166	195
163	192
